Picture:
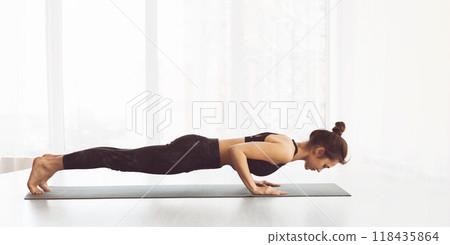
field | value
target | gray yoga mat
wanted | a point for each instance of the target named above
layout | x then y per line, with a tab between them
183	191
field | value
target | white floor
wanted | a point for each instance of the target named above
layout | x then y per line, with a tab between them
378	199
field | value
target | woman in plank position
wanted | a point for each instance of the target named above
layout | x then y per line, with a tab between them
260	154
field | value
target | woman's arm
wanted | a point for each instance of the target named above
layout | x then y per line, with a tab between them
241	166
270	152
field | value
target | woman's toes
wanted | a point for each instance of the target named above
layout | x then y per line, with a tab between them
44	186
38	192
34	190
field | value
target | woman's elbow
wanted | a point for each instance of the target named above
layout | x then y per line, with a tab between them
232	149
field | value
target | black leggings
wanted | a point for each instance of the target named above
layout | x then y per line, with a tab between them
171	158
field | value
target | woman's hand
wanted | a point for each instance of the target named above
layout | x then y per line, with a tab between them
265	183
267	190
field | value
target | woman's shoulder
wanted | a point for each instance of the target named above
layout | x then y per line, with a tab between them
282	138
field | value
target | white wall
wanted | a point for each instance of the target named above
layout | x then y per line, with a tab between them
390	76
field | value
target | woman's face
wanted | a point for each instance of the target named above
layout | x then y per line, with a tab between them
314	163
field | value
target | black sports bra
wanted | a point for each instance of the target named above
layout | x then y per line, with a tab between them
260	167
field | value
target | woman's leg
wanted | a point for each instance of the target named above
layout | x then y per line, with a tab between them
184	154
151	159
155	159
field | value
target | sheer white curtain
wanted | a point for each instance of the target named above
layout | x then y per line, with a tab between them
228	49
242	54
392	83
23	83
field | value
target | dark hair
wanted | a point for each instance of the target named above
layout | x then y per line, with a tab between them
335	146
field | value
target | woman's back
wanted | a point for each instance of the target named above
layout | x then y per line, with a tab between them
225	143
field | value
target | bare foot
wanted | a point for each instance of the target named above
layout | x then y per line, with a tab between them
43	169
50	155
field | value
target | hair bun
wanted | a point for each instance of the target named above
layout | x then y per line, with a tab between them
339	128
